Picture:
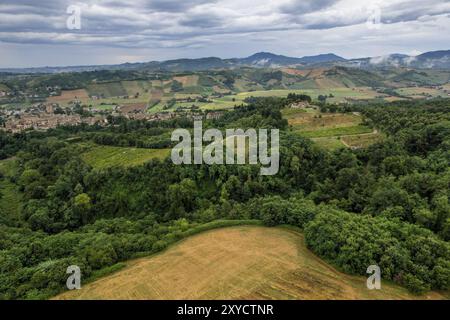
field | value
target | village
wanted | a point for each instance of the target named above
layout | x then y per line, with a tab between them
44	116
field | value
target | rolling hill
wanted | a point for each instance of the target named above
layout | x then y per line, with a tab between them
246	262
428	60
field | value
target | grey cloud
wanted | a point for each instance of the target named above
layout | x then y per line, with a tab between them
306	6
189	23
203	20
175	5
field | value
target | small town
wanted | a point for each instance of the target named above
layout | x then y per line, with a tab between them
44	116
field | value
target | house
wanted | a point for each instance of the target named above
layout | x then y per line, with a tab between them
300	105
214	115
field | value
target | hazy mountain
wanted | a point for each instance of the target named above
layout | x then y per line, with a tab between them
267	59
432	60
429	60
322	58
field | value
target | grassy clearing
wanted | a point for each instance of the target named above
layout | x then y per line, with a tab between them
10	199
318	121
242	262
362	141
330	143
336	132
102	157
326	129
421	92
338	94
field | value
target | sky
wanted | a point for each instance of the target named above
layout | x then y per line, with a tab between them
89	32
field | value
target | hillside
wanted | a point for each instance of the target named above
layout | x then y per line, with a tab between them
236	263
428	60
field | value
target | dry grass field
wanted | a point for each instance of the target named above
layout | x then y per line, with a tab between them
131	107
187	81
246	262
69	95
312	121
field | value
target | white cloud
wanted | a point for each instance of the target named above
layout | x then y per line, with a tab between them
226	27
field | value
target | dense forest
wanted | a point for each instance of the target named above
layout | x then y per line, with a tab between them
387	204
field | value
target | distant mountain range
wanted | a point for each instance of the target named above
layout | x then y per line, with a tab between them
428	60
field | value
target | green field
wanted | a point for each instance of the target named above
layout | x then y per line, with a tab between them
336	132
114	92
102	157
362	141
3	87
330	143
338	93
326	129
10	199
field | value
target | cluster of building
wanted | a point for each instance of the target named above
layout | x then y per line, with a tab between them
47	121
161	116
43	117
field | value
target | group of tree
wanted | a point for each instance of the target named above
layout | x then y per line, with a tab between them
387	204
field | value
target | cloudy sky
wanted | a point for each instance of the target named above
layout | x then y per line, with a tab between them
36	33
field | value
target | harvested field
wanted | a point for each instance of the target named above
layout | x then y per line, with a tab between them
187	81
69	95
132	107
236	263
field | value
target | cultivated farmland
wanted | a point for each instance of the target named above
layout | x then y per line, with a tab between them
246	262
331	130
69	96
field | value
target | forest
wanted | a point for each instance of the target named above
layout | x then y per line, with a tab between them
387	204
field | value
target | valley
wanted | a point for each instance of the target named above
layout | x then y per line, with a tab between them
86	179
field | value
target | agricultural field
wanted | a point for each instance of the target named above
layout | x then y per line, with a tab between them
421	92
102	157
230	101
157	93
336	132
329	143
245	262
68	96
331	130
337	94
362	140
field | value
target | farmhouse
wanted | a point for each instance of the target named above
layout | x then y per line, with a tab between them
214	115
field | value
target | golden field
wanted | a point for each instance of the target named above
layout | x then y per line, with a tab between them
245	262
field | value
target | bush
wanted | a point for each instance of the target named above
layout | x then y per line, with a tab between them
414	284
